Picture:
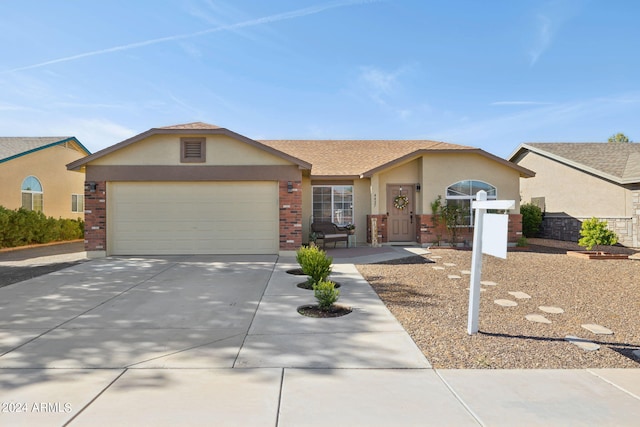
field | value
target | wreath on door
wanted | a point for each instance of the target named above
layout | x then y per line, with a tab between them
401	202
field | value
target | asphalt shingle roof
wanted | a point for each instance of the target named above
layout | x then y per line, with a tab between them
354	157
14	146
617	160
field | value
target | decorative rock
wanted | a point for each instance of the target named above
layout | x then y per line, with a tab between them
597	329
520	295
506	302
487	283
584	344
537	318
454	276
436	257
552	310
465	272
437	267
636	353
449	264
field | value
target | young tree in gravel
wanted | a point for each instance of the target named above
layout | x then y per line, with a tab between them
595	233
531	219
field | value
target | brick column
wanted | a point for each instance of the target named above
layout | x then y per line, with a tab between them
290	215
95	217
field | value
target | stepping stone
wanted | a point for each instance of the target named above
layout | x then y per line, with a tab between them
437	267
539	318
449	264
487	283
597	329
584	344
552	310
436	257
454	276
506	302
467	272
520	295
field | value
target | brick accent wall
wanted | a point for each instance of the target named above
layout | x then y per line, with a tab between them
95	217
428	234
290	216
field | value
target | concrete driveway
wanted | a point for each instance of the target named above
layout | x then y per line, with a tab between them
215	340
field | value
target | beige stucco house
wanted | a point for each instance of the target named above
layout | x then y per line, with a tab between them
577	181
33	175
200	188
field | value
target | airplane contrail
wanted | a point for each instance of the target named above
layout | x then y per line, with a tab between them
251	23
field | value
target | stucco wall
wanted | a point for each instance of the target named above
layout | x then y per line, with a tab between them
58	184
573	192
439	171
165	150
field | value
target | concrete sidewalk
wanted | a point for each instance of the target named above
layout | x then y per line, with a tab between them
204	340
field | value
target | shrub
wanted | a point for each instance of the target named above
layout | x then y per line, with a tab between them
314	263
594	233
22	227
531	219
326	294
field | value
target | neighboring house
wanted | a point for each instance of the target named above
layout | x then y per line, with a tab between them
199	188
33	175
577	181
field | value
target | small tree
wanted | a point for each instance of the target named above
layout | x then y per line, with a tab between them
595	233
436	207
452	216
619	137
531	219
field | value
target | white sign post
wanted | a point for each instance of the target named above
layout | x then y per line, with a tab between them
492	229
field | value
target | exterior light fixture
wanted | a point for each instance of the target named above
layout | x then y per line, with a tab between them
289	187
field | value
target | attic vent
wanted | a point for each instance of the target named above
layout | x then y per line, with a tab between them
192	150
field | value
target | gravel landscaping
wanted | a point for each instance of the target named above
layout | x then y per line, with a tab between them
433	307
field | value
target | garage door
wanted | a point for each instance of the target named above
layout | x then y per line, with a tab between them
164	218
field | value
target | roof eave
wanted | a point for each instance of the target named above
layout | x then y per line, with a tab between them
163	131
53	144
524	172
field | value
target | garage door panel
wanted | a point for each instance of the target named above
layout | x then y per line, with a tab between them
193	218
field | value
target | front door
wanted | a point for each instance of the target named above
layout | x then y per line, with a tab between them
400	213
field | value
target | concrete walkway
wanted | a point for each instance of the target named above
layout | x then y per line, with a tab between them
216	340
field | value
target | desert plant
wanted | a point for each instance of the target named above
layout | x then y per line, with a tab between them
326	294
595	233
452	216
436	205
314	263
531	219
522	242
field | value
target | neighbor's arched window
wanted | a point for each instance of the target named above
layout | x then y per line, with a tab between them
462	193
32	194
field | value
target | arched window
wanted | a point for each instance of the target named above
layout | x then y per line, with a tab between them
32	194
462	193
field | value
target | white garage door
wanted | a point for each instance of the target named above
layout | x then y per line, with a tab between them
164	218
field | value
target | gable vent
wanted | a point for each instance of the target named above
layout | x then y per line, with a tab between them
192	150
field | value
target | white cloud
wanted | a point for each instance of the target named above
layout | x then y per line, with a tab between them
543	39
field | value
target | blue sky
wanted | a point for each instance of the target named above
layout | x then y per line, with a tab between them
490	73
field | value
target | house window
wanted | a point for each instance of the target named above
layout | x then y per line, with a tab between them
32	194
77	203
192	150
333	203
462	193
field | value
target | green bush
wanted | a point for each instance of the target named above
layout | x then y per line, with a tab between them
595	233
326	294
531	219
22	227
314	263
